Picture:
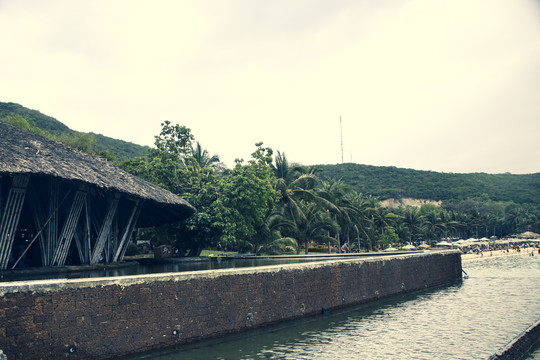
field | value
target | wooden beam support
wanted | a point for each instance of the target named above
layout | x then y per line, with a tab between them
105	230
68	230
128	231
1	197
52	227
10	217
41	227
39	221
48	230
87	248
83	236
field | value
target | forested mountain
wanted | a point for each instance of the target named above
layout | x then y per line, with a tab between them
383	182
390	182
268	205
48	126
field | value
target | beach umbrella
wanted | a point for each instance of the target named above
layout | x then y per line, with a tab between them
529	235
443	243
408	247
423	246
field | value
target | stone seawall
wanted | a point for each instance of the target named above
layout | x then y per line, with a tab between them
520	347
106	317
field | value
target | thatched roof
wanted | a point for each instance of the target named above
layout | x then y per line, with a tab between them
23	152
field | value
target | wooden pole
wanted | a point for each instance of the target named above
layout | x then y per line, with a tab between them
105	230
11	216
52	230
70	225
122	246
39	232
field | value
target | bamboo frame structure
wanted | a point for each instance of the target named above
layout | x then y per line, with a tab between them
60	207
11	216
100	240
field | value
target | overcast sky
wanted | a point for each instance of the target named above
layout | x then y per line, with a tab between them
451	86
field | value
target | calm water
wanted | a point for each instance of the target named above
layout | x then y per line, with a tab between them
170	265
467	320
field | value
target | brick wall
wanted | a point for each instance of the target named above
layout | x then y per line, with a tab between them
101	318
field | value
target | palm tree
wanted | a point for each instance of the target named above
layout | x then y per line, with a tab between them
294	182
306	223
433	226
414	220
332	196
269	240
361	216
201	159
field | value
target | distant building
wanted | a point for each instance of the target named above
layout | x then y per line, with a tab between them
60	206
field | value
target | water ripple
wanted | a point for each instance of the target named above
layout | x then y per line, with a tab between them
468	320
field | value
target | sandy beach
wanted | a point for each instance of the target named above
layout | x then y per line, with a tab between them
488	254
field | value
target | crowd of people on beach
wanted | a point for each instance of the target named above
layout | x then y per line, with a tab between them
530	248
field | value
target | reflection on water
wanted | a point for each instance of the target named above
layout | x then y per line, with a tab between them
152	267
467	320
218	263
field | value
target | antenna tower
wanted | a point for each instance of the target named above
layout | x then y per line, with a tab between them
341	131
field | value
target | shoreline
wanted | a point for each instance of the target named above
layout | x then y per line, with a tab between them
495	253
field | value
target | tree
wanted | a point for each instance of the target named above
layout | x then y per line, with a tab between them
306	223
388	238
187	172
201	159
268	239
362	215
175	140
413	220
247	196
331	196
77	140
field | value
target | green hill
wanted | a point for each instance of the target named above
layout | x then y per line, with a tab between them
390	182
34	118
385	182
45	125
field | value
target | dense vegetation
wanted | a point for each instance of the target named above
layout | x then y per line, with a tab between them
47	126
391	182
269	205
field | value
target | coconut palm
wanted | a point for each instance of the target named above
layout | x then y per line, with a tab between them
361	216
268	239
294	182
333	196
201	159
306	222
297	187
434	227
413	220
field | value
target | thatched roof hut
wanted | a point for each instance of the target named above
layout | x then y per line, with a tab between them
60	206
23	152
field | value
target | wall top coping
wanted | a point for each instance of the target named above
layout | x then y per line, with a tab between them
53	285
